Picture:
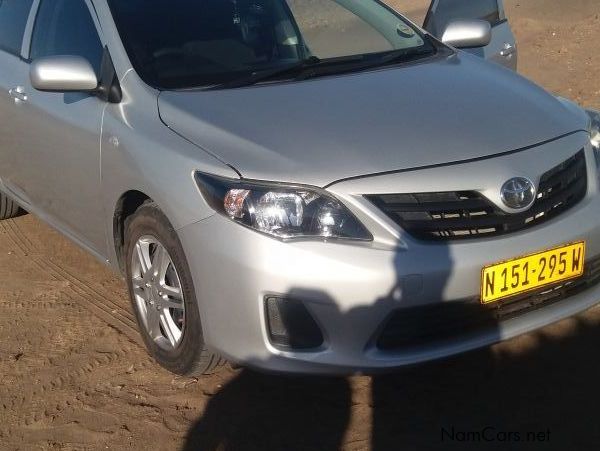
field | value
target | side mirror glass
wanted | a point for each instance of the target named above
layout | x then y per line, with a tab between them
464	34
63	74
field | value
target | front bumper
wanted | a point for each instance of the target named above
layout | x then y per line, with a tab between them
352	288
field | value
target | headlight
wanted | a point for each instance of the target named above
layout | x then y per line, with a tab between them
282	211
595	133
595	127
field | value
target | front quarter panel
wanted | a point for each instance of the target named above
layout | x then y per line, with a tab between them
139	153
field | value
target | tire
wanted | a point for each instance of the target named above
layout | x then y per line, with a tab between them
189	357
8	208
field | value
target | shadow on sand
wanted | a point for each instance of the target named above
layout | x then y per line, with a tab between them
543	398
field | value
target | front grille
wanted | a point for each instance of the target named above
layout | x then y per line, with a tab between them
422	326
468	214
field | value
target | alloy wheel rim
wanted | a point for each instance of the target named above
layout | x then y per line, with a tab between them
158	293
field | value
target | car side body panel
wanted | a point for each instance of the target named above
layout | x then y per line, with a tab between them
140	154
14	72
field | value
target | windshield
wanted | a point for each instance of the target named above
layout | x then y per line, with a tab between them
179	44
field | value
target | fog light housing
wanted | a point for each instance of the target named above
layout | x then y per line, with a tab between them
290	325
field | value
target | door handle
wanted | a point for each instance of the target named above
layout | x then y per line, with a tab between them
18	94
508	50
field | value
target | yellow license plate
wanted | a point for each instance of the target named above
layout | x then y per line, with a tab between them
507	279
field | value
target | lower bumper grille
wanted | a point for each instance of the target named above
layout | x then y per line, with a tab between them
468	214
422	326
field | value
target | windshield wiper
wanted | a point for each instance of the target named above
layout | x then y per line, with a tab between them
266	74
391	57
316	67
405	55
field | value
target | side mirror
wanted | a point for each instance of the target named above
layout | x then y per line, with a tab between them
63	74
465	34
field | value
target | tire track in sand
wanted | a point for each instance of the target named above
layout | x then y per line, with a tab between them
98	302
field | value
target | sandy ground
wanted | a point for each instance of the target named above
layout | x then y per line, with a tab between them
74	375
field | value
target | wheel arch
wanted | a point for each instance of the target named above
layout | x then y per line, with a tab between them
127	205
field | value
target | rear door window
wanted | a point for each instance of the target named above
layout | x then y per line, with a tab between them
13	20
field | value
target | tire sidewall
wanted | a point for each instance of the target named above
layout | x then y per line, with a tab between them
150	221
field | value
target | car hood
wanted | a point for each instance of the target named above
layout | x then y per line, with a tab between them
324	130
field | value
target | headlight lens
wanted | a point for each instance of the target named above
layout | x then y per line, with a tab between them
282	211
595	133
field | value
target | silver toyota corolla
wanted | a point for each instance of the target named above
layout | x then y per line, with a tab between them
310	186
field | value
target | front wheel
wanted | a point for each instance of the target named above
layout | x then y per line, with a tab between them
162	295
8	208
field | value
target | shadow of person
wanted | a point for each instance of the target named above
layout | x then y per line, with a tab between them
411	408
534	392
270	412
540	394
273	412
514	396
